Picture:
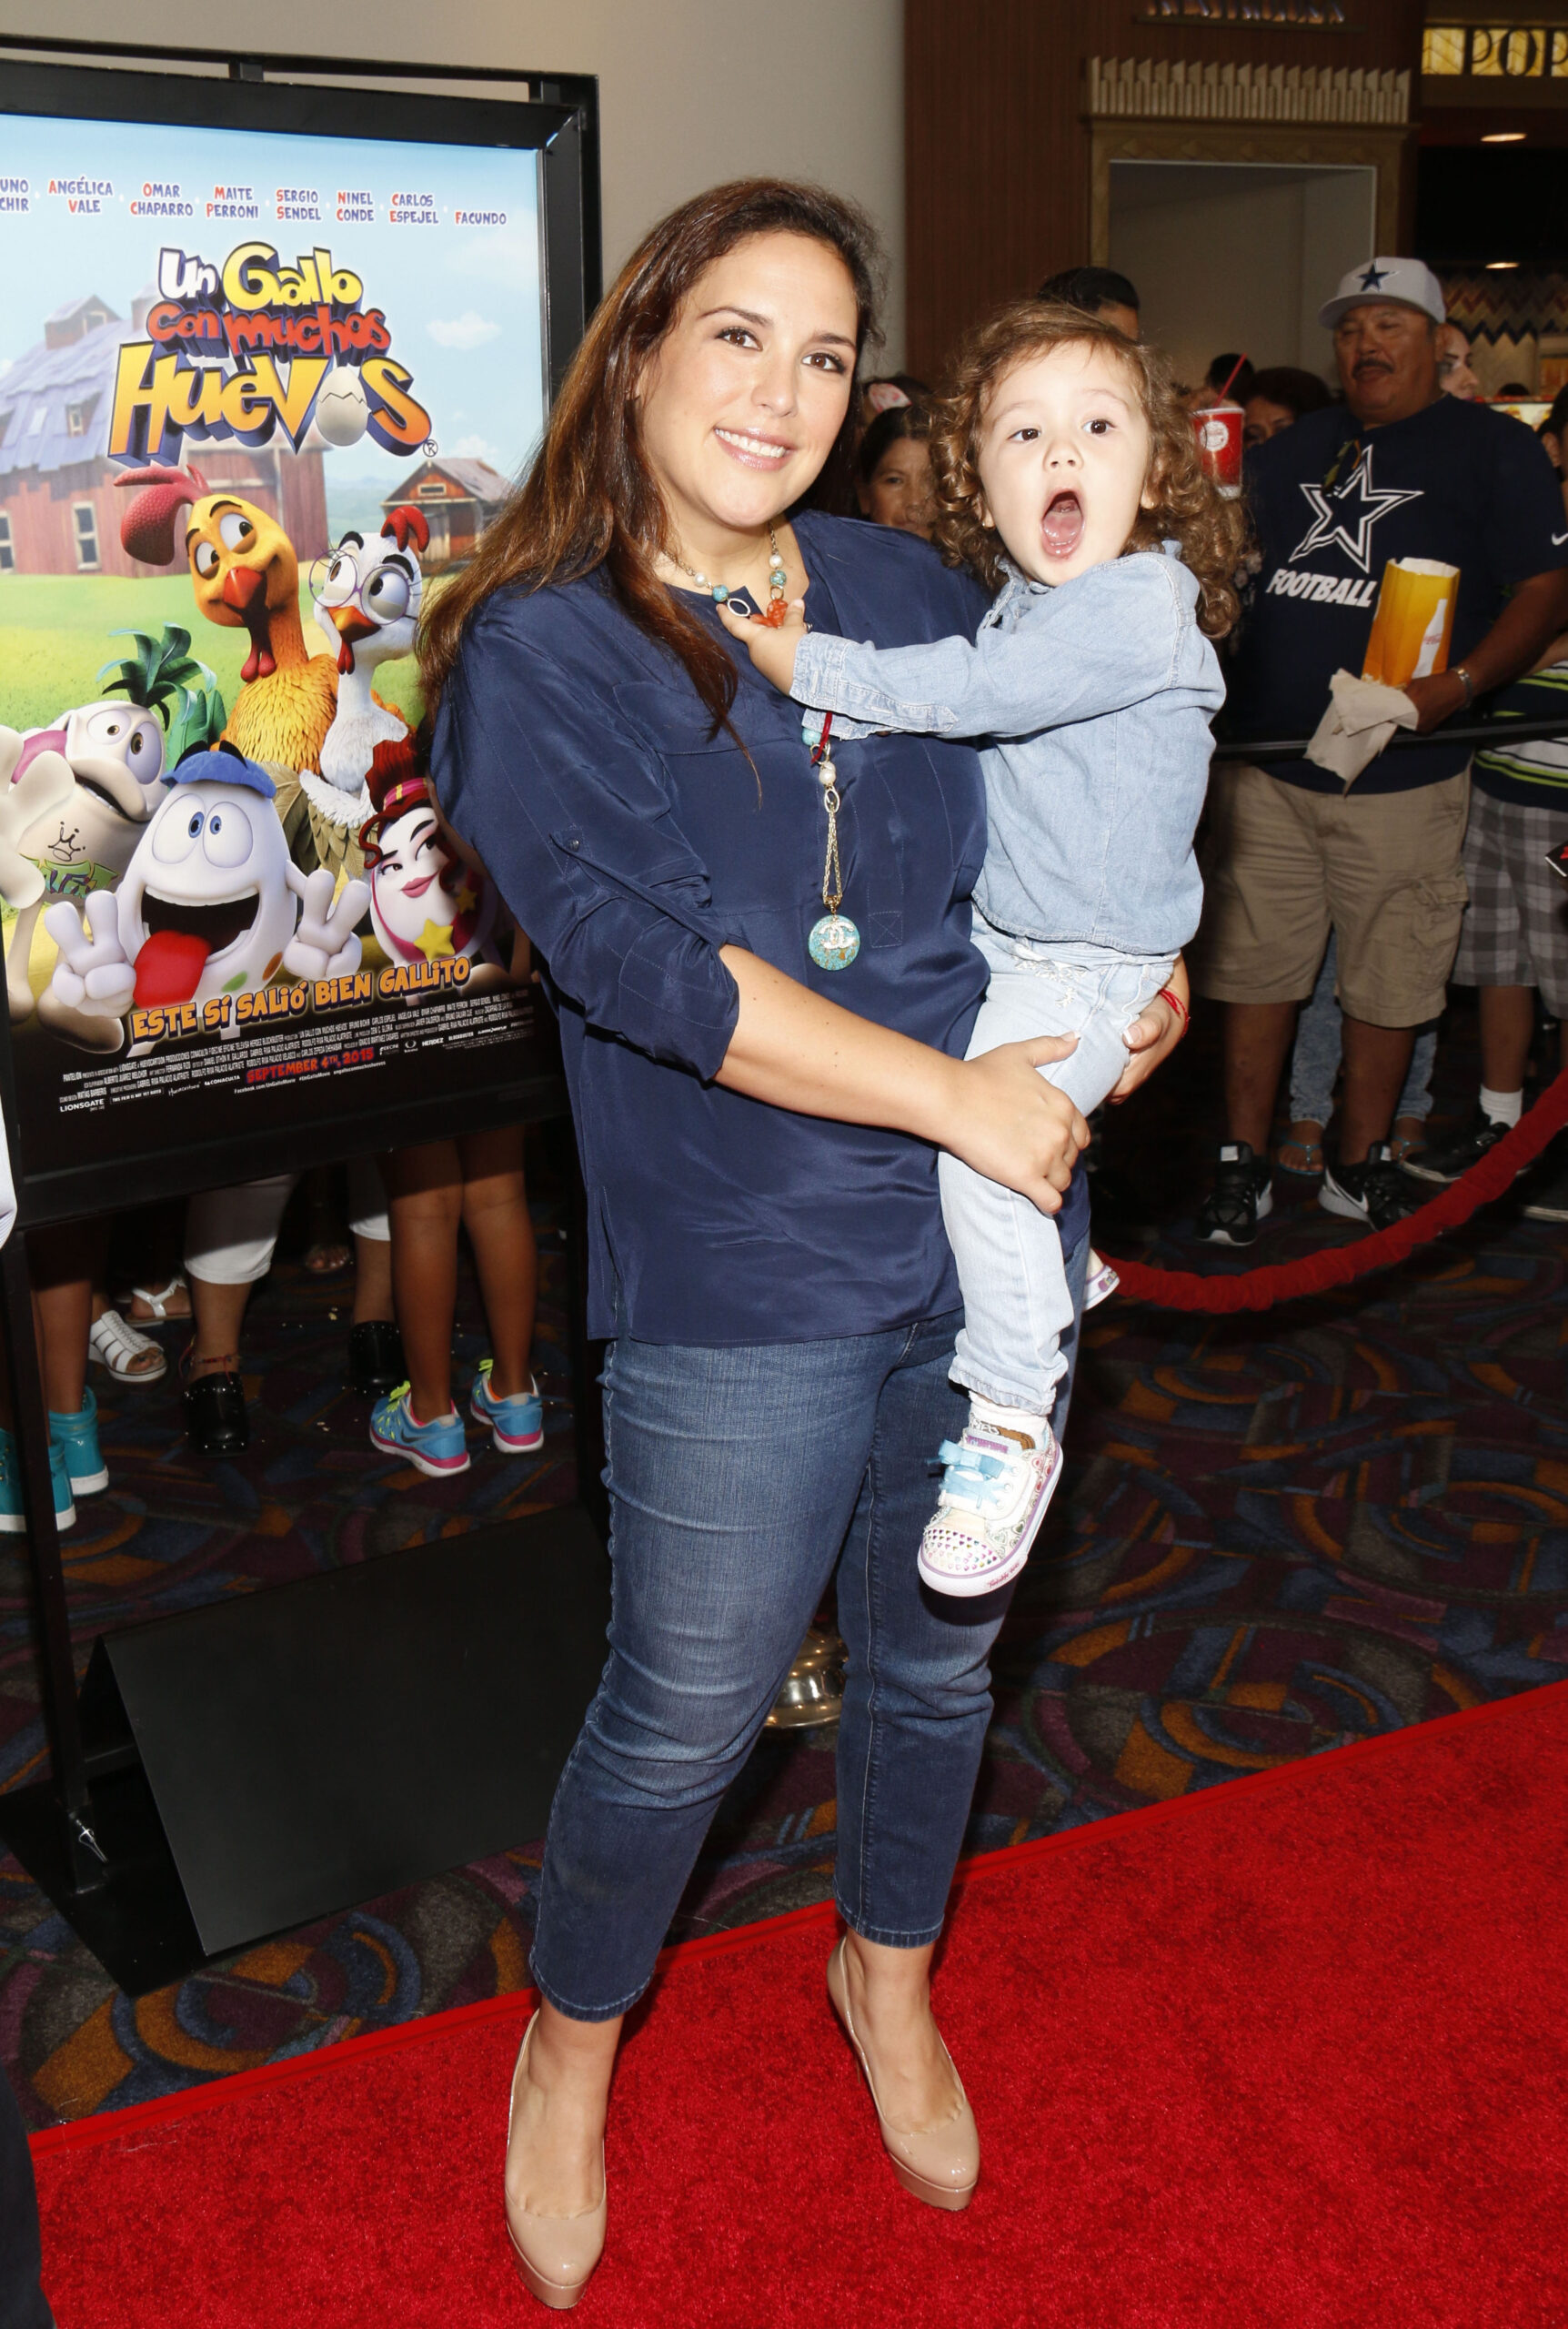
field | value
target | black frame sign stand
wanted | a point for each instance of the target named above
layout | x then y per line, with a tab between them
233	1771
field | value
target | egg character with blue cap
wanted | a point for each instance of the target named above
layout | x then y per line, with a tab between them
211	903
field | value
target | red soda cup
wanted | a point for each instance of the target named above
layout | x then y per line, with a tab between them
1218	429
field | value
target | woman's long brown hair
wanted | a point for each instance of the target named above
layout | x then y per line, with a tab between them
590	498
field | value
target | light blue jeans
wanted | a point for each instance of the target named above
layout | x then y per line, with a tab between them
740	1480
1017	1307
1315	1061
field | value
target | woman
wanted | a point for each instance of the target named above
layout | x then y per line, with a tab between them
758	1133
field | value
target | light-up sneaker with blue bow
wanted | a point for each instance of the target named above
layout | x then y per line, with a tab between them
516	1425
993	1498
1101	1281
439	1449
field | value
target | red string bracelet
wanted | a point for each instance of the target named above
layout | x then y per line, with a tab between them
1165	995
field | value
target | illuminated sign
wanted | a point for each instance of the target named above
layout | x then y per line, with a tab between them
1497	52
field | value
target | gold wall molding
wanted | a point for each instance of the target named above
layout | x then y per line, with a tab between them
1140	88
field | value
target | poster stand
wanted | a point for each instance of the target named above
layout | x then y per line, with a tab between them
95	1835
230	1771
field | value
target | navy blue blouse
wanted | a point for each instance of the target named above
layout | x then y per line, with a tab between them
573	755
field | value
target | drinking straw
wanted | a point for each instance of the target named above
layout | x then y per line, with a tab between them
1234	369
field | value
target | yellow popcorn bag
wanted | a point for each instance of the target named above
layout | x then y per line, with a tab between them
1413	622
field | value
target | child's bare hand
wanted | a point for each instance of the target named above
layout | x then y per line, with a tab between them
772	647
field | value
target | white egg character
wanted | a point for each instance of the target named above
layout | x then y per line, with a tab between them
210	905
79	795
342	409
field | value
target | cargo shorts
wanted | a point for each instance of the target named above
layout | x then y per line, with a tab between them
1283	866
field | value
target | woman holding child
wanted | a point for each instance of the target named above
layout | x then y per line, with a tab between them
758	940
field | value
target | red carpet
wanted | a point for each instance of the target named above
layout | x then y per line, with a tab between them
1292	2052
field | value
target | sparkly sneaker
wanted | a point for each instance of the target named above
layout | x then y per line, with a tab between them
13	1517
77	1438
437	1448
516	1426
992	1501
1100	1283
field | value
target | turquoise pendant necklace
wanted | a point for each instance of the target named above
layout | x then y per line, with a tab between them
834	941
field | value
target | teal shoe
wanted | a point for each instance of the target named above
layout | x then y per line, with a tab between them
516	1425
13	1518
78	1435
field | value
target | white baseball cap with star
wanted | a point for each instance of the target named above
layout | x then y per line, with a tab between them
1410	281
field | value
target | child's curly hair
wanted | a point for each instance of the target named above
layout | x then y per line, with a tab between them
1188	508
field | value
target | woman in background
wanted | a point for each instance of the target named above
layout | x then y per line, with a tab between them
893	470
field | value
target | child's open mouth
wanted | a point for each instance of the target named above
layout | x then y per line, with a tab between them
1062	528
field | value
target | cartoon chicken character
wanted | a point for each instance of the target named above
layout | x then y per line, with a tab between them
245	574
424	901
74	799
211	903
367	603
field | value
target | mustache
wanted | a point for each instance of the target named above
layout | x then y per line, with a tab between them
1374	364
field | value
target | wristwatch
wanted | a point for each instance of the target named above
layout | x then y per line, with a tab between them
1466	682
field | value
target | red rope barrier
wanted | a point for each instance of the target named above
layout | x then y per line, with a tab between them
1338	1265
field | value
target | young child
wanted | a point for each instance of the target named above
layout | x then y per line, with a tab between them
1066	474
475	1182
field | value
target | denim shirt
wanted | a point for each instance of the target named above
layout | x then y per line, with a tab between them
632	844
1096	696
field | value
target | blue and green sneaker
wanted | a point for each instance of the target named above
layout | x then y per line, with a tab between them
516	1426
439	1449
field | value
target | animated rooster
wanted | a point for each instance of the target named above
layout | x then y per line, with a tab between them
368	606
244	575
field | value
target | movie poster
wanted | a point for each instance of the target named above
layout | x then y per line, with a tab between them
259	397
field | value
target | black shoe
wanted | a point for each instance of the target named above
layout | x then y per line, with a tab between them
216	1420
376	1364
1454	1157
1544	1185
1243	1195
1377	1191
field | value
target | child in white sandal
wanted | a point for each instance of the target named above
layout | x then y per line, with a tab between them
1067	475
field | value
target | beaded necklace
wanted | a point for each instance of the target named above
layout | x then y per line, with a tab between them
778	606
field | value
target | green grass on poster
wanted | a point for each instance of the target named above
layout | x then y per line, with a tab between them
56	630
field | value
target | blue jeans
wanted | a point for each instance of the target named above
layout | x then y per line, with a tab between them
1009	1256
739	1478
1315	1061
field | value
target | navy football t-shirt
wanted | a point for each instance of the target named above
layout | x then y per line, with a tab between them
1457	482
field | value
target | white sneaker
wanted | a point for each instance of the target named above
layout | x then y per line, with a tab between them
1102	1281
992	1501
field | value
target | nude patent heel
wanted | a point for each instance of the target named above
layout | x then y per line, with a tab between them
557	2255
940	2165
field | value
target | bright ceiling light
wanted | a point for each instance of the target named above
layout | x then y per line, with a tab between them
1495	265
1504	137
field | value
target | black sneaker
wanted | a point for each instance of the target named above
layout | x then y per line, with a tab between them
1376	1192
1241	1198
1544	1185
1451	1159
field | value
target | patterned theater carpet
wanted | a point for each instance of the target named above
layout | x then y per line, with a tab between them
1276	1534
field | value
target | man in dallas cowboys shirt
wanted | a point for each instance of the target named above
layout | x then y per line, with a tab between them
1398	470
